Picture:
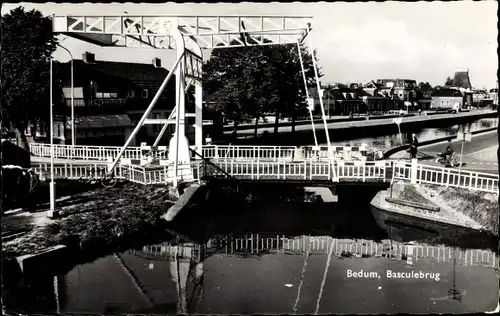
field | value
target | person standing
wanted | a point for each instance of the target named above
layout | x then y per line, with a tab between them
413	146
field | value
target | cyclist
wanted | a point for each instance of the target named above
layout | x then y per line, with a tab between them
448	152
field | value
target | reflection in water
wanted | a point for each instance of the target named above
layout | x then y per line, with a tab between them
255	259
256	244
389	141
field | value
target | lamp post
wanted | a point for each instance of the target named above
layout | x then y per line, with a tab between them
73	135
51	213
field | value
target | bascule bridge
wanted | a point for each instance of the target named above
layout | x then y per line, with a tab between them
189	36
182	161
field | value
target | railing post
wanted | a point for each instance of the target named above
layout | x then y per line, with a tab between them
305	170
278	171
414	171
310	170
330	177
258	166
216	154
364	171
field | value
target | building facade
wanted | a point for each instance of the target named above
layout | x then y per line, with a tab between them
404	90
109	98
447	99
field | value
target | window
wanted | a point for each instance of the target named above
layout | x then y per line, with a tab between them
144	93
442	103
447	102
131	93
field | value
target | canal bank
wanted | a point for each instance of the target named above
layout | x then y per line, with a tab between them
96	221
303	134
91	223
424	207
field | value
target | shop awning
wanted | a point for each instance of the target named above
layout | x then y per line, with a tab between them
104	121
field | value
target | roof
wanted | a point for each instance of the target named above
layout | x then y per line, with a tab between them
104	121
367	92
313	92
133	72
461	79
446	93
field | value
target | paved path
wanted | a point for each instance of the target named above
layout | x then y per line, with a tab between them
479	155
361	123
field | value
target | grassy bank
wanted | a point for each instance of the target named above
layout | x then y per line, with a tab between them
482	207
462	204
411	194
97	220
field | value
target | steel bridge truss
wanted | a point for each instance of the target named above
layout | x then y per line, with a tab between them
156	31
188	35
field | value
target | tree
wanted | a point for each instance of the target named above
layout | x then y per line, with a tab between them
246	82
290	94
27	45
424	86
227	81
448	82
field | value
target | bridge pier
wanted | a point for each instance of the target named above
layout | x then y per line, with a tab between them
333	189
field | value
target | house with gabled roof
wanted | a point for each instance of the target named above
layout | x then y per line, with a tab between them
447	98
111	97
339	100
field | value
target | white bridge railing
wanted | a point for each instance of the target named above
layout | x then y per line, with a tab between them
132	173
225	152
272	153
77	152
418	173
273	163
305	170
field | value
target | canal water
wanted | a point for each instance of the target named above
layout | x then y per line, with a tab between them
281	250
393	140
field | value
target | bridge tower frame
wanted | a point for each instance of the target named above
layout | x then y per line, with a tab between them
186	35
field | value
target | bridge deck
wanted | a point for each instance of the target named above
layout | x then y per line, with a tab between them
307	172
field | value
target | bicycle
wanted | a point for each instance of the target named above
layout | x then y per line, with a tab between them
451	161
108	180
89	176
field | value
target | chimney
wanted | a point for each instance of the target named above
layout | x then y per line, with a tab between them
88	58
157	62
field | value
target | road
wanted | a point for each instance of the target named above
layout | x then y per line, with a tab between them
479	155
362	123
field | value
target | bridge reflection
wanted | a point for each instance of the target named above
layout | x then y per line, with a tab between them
258	244
186	260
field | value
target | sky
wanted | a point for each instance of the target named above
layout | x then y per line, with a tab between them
356	42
